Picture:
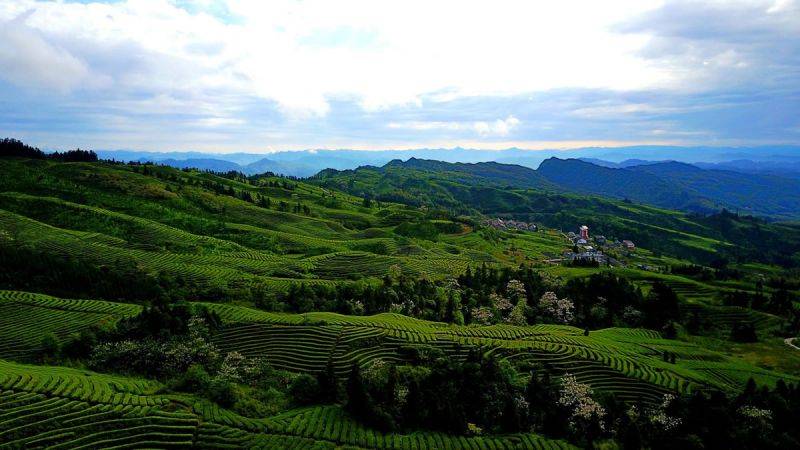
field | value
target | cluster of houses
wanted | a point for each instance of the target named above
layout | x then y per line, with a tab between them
509	224
587	253
581	238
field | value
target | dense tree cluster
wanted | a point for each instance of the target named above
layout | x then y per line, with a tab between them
13	147
439	393
483	395
27	269
603	300
757	418
598	301
412	296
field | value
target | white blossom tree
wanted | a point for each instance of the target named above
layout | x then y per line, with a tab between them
482	315
560	310
586	416
515	290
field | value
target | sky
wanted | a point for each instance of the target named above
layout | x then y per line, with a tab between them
262	76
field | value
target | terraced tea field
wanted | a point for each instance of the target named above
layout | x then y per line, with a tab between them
626	362
26	318
60	408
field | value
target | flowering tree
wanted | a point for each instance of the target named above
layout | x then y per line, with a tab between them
585	414
500	303
482	315
661	419
756	420
232	367
515	290
561	310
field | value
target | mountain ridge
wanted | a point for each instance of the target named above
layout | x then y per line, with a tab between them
668	184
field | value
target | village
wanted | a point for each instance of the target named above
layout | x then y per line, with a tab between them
586	250
589	250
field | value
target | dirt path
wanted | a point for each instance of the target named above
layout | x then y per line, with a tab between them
790	343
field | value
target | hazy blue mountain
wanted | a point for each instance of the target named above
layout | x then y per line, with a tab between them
790	169
217	165
687	154
281	167
601	162
135	155
619	165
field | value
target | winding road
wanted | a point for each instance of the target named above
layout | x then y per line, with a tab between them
790	343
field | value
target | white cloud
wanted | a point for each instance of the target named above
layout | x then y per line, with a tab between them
250	73
29	60
499	127
381	53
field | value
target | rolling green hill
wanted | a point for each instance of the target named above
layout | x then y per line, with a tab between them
168	221
666	231
669	185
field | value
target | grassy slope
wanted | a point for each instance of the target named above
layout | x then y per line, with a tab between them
107	213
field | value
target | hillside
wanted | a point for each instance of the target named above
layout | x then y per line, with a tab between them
765	195
489	173
681	186
668	185
477	191
145	305
212	231
586	178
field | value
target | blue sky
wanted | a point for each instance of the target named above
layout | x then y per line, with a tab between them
258	76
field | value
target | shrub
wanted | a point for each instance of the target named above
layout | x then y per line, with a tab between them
223	392
195	379
51	345
79	345
304	389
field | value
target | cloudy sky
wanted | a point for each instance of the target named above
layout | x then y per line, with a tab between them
242	75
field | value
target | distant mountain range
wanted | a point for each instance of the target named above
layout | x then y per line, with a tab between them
784	160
